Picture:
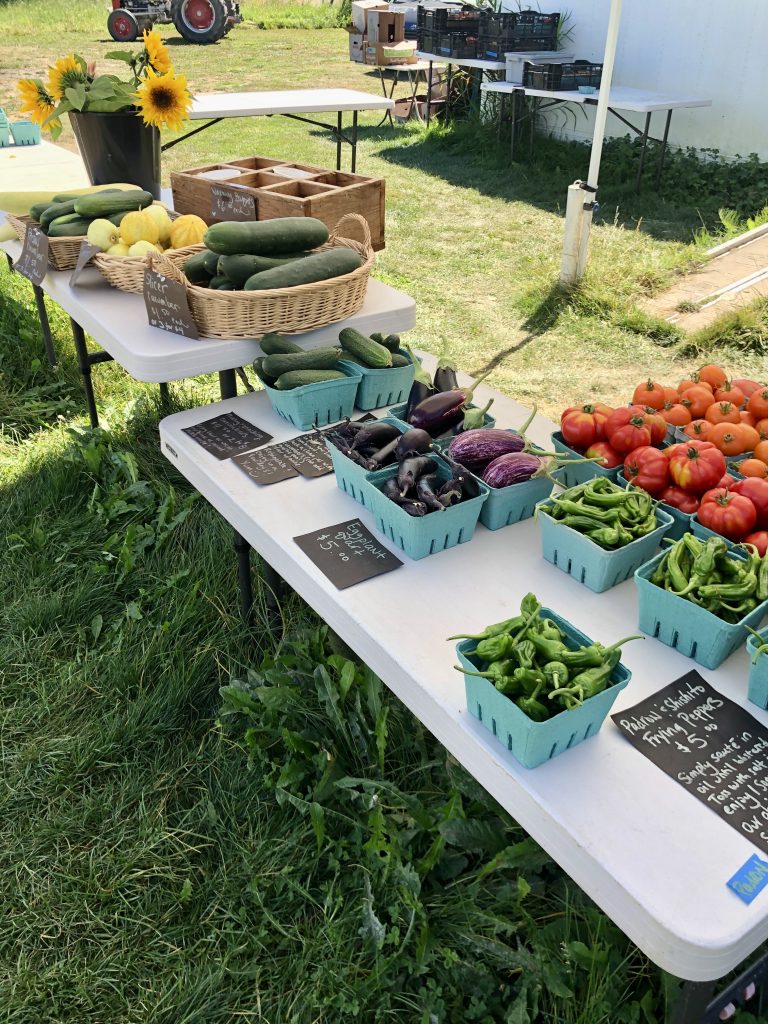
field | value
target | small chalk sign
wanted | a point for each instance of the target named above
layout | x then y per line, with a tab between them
308	454
712	747
33	261
227	435
347	553
232	204
167	306
87	252
266	465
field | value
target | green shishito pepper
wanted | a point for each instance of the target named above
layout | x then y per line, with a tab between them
606	513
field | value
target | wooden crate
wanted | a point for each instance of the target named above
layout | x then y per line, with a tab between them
317	192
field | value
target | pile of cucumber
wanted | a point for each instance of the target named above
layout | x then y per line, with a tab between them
286	366
266	254
67	216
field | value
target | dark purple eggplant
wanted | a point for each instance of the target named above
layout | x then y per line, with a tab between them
513	468
413	442
426	491
385	455
377	434
449	495
445	374
414	508
391	489
461	479
475	449
442	411
421	387
411	469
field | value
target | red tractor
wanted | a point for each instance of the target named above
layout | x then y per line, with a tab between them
198	21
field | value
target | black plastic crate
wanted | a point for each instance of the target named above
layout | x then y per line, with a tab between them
454	44
493	47
427	41
450	20
562	77
520	23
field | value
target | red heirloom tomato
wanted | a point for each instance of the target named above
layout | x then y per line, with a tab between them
696	466
760	541
726	481
656	423
697	400
746	386
757	491
582	427
628	428
676	414
678	498
727	513
649	393
647	468
758	403
609	457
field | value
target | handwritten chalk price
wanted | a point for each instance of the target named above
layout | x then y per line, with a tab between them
33	262
167	306
232	204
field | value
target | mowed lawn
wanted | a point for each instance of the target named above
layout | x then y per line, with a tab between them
150	872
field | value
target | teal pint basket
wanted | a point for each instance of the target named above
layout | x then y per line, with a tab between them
690	629
5	133
586	561
758	672
581	471
350	476
379	388
426	535
316	404
531	743
26	133
398	411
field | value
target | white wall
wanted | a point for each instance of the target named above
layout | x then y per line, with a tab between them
716	49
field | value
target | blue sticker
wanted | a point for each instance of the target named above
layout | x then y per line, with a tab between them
750	879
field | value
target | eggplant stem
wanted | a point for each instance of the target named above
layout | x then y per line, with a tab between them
529	421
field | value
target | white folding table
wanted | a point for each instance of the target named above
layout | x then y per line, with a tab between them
118	322
462	62
620	97
655	859
213	107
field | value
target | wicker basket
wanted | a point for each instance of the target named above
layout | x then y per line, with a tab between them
127	272
245	315
62	252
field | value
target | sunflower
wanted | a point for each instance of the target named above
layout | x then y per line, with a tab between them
64	74
157	55
36	101
164	100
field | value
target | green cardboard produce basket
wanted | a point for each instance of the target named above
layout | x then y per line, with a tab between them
316	405
379	388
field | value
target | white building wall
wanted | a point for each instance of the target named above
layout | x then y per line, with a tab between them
716	49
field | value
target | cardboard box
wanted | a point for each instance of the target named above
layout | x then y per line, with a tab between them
360	9
385	54
357	44
385	27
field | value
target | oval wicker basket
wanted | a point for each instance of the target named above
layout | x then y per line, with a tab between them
62	252
127	272
244	315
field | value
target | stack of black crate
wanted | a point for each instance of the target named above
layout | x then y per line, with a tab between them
515	32
449	31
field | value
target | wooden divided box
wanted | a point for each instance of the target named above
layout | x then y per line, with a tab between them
280	189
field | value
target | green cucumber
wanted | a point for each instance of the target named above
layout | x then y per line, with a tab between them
313	359
392	342
54	211
102	204
211	262
195	268
66	197
373	354
239	268
258	369
221	283
37	209
71	229
300	378
116	218
398	359
276	344
277	237
320	267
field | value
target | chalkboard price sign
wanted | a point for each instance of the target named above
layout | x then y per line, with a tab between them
232	204
266	466
347	553
308	455
87	251
227	435
710	746
33	262
167	306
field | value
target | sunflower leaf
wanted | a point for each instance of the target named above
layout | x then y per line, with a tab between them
119	55
76	95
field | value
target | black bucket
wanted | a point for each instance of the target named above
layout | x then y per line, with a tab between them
118	148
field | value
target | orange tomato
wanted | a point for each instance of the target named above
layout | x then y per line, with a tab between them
697	429
722	412
676	414
758	403
761	426
696	400
649	393
711	374
750	435
747	386
730	393
753	467
726	439
684	385
761	451
748	418
671	395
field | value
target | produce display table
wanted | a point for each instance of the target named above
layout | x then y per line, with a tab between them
482	66
421	71
621	97
213	107
652	857
118	322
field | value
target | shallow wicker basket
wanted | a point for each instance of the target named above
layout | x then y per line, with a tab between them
127	272
62	252
230	314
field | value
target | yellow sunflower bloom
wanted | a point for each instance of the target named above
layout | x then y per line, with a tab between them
158	57
164	100
36	103
63	75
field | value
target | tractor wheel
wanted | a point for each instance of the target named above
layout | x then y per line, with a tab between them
122	25
200	21
233	10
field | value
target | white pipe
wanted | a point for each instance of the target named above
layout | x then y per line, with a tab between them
603	98
574	211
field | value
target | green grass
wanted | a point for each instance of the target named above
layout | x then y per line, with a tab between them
318	858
